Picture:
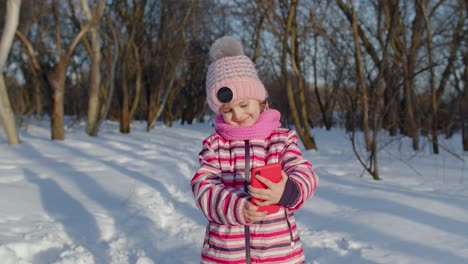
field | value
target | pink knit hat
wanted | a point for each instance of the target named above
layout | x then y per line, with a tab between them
231	75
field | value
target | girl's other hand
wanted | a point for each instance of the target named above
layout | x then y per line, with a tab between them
251	214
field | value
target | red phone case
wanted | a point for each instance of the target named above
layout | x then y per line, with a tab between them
273	173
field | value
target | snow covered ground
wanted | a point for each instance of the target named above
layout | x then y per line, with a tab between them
126	199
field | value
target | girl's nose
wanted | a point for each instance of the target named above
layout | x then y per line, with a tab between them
236	114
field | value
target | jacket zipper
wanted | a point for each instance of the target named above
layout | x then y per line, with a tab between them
246	183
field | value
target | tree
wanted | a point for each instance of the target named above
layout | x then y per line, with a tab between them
327	95
362	84
303	124
54	72
6	113
464	107
375	86
170	49
94	50
108	86
438	91
132	16
285	28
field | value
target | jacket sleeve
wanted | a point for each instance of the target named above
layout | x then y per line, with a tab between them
298	169
220	204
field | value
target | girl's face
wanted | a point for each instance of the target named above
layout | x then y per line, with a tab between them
241	112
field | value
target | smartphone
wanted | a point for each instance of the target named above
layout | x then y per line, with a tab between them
273	173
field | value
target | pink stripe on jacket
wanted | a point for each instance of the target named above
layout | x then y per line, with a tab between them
218	188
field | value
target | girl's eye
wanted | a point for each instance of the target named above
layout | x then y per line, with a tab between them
245	105
226	111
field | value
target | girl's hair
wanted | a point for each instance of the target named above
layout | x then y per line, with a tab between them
265	105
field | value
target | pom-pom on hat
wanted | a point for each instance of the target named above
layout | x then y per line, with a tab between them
231	75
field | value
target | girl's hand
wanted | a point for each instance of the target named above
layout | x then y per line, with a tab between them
272	194
251	214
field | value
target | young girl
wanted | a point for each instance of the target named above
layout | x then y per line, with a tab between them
248	135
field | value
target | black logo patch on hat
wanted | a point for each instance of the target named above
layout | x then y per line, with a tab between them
224	95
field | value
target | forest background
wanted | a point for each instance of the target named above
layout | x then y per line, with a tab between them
399	67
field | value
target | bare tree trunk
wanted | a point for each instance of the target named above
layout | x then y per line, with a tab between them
300	118
434	103
129	108
407	57
416	40
156	90
437	92
372	52
377	100
307	138
166	97
95	72
285	73
391	78
57	74
392	102
36	70
131	63
410	123
156	104
464	106
138	77
56	79
38	97
173	58
168	114
125	101
111	65
152	109
362	84
323	110
6	113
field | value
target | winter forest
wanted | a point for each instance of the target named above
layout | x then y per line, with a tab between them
398	66
103	112
367	66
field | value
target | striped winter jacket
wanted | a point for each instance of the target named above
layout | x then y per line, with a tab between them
218	189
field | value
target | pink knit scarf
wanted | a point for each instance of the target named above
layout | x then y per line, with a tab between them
266	123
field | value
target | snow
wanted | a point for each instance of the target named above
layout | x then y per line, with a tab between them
121	198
